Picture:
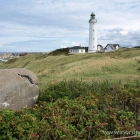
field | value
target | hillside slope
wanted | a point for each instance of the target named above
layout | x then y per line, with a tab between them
123	64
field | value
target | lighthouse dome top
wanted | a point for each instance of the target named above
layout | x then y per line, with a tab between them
92	18
92	14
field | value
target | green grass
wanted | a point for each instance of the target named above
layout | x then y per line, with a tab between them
123	64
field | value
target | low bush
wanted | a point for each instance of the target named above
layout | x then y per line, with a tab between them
67	113
73	89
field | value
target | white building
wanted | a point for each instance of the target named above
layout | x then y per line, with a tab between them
100	48
77	49
111	47
92	34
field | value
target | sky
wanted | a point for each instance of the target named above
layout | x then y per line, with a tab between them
46	25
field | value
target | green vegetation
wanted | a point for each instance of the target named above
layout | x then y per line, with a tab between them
63	51
122	64
76	110
82	96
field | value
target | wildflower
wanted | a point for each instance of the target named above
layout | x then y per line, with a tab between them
34	135
112	115
100	125
138	128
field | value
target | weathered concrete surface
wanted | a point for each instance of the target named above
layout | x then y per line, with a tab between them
18	88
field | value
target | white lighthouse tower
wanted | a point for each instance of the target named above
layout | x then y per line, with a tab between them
92	34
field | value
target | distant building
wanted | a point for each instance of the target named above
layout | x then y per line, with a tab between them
100	48
111	47
3	60
77	49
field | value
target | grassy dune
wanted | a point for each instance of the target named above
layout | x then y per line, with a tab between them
123	64
74	109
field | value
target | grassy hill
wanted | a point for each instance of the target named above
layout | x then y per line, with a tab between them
123	64
78	109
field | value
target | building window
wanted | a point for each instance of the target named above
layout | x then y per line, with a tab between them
93	46
81	50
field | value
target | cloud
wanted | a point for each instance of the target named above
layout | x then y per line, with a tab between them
24	22
124	32
126	38
63	46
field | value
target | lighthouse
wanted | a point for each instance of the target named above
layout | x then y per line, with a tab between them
92	34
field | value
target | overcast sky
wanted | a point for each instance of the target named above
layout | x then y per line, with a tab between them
46	25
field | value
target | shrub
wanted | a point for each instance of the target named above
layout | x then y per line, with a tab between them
79	111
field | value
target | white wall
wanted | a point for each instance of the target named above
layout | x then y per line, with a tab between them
76	50
81	50
117	47
98	48
92	36
108	49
